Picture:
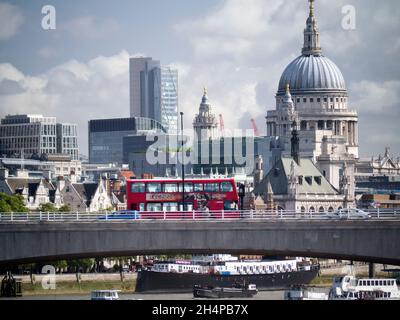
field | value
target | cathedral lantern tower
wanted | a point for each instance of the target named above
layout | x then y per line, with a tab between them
205	122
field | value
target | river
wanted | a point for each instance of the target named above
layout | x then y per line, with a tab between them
262	295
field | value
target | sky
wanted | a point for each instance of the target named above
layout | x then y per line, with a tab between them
238	49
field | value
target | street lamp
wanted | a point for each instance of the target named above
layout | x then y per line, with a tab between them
183	166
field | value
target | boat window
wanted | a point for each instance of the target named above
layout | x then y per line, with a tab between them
138	187
384	282
211	187
170	187
198	187
188	187
226	187
368	283
154	187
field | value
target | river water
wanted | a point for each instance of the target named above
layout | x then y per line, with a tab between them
262	295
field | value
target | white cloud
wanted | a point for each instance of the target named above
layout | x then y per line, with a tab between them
240	49
11	20
376	97
9	72
73	92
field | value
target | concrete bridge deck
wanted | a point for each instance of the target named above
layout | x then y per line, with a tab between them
359	240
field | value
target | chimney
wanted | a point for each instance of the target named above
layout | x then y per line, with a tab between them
3	173
60	183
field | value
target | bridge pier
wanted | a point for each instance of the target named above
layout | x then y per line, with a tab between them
371	270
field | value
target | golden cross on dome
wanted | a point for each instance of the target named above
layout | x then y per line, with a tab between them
311	8
205	91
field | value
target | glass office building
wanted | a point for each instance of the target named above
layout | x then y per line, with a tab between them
106	137
154	92
67	141
169	99
27	135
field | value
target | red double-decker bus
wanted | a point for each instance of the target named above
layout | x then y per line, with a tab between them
215	197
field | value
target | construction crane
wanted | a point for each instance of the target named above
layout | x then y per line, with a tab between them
221	125
256	131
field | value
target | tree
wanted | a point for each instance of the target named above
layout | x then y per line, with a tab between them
61	264
14	203
83	264
65	208
47	207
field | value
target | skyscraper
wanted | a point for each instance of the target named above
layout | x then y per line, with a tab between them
154	92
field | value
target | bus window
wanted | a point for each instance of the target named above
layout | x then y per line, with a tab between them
198	187
141	207
138	187
188	207
170	206
230	205
188	187
170	187
154	207
154	187
226	187
211	187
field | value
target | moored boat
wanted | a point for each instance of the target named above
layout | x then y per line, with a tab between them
236	291
182	276
104	295
352	288
302	293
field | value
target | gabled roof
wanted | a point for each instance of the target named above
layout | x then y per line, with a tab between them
31	184
313	182
86	191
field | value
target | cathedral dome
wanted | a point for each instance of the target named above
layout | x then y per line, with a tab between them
312	73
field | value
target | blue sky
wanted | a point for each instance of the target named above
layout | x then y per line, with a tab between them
237	48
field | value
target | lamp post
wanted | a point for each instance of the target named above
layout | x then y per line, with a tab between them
183	166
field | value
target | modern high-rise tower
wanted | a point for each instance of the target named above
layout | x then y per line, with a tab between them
154	92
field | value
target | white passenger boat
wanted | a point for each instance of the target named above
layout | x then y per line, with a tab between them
351	288
301	293
105	295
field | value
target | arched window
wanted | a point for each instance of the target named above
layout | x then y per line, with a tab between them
303	209
312	209
340	208
321	209
330	209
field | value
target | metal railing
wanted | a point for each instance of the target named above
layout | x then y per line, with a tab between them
16	217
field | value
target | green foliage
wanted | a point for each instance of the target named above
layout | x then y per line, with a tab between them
62	264
81	263
13	203
47	207
65	208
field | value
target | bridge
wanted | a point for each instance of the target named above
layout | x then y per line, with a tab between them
56	237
